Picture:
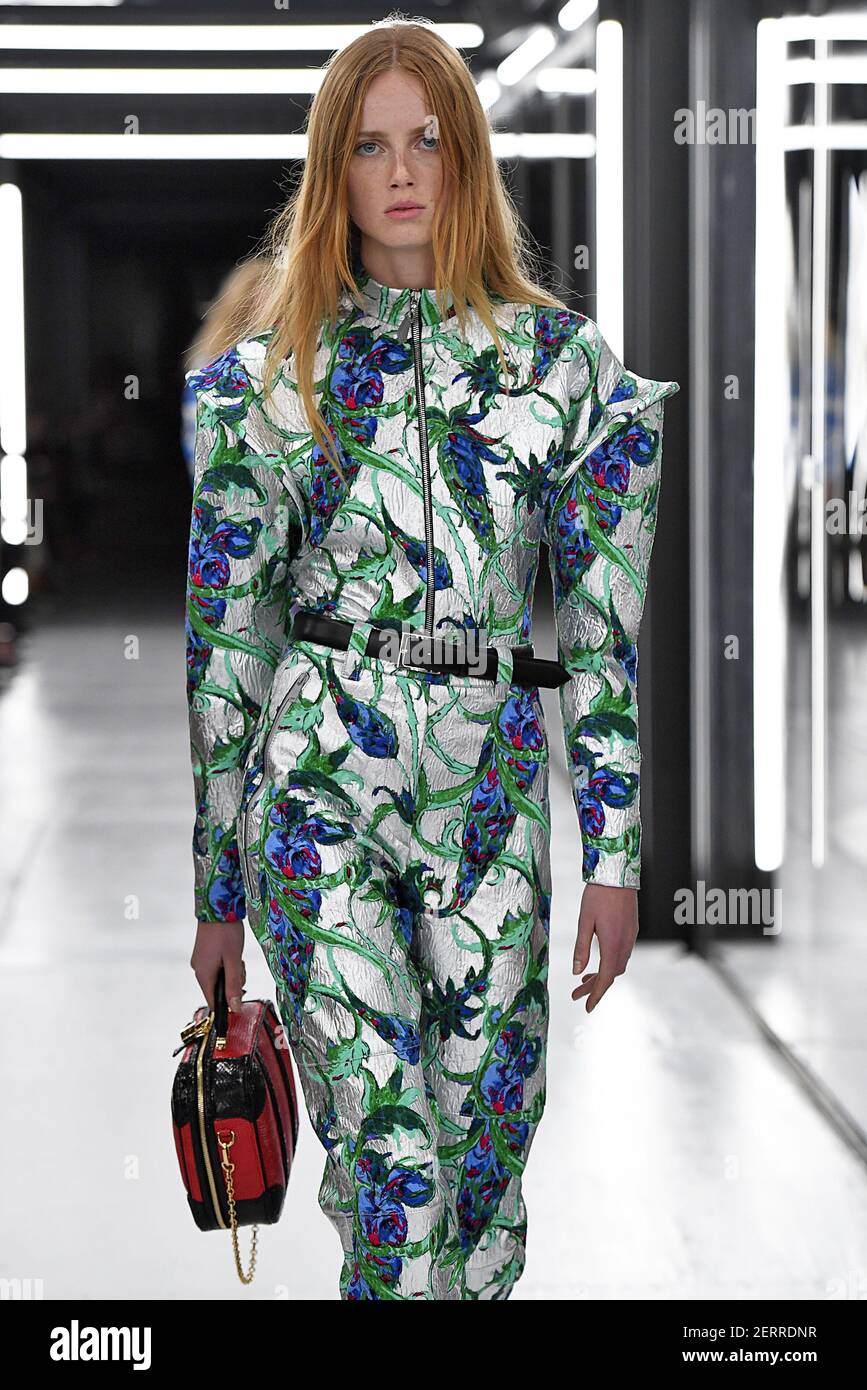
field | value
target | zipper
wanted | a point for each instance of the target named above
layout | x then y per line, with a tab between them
413	322
203	1133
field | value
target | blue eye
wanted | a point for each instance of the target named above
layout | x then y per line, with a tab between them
434	143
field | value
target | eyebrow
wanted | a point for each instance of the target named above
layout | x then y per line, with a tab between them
419	130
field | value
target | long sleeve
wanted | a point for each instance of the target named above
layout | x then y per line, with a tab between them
243	534
600	526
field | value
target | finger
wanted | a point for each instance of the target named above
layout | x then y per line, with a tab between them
584	941
585	987
234	983
206	985
603	982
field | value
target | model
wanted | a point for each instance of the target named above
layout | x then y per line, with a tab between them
383	463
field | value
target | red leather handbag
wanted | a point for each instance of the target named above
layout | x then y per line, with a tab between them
235	1117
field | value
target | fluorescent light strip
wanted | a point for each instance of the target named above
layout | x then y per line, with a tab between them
488	90
63	146
505	145
702	523
839	135
771	422
827	70
575	81
13	409
608	169
160	81
527	55
232	81
197	38
794	28
821	231
13	499
576	13
543	145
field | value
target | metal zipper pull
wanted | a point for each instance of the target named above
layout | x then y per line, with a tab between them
406	326
193	1030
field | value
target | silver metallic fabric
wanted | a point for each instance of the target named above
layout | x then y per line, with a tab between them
386	830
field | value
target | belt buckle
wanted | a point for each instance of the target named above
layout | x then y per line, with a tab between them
404	657
403	654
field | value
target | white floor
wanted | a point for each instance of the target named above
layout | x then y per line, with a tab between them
811	984
677	1156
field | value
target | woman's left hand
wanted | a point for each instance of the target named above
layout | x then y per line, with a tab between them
613	914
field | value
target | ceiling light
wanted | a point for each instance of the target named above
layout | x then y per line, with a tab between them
527	55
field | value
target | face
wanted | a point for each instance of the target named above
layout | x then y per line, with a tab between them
393	161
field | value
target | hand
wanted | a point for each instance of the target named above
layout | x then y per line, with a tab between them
220	943
613	914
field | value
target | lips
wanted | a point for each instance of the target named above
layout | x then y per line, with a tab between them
403	207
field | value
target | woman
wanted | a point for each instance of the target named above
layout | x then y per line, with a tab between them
389	459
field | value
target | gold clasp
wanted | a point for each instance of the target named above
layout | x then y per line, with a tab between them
197	1029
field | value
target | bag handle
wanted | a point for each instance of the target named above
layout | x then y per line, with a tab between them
221	1004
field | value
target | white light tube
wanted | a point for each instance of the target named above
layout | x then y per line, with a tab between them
160	81
198	38
13	412
13	499
771	420
575	81
608	170
527	55
576	13
505	145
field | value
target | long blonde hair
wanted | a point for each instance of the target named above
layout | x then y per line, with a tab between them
479	243
237	301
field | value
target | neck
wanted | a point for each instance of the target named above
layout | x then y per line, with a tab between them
400	268
390	304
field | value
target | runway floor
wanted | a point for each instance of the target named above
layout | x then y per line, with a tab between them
678	1155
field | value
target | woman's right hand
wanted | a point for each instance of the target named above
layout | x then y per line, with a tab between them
220	943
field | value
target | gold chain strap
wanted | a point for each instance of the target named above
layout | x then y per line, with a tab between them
229	1168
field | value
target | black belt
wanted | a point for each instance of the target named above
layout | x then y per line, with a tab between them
421	651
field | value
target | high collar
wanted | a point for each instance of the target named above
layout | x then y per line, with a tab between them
389	305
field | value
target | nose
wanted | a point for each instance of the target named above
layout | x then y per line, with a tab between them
400	172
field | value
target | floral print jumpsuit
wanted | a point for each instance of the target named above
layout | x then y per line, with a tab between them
385	830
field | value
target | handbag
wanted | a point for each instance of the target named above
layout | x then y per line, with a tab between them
235	1116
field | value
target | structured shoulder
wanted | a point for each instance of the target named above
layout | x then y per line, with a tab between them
571	334
235	370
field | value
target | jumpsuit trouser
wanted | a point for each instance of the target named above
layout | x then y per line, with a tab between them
394	835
